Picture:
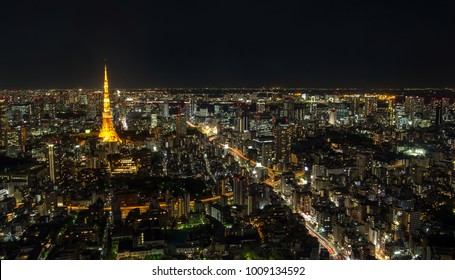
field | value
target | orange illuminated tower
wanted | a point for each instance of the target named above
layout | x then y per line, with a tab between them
108	133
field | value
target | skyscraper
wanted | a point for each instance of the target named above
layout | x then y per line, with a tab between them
23	138
4	125
164	108
371	105
190	107
243	117
439	117
180	125
13	147
441	107
260	106
54	163
355	104
391	110
332	116
288	108
239	187
265	145
107	133
413	105
283	143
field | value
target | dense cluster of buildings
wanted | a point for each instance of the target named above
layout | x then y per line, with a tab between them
227	174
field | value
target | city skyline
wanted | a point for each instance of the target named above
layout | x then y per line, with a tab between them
227	44
233	175
227	131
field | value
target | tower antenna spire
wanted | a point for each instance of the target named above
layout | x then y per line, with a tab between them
105	70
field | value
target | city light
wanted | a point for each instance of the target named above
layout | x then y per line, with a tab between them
345	175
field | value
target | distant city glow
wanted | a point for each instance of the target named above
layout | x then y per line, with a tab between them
343	173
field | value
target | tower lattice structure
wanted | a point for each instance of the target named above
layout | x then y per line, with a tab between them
107	133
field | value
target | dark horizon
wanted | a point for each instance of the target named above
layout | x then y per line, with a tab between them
241	88
293	44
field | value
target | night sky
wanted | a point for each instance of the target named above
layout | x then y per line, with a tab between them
166	43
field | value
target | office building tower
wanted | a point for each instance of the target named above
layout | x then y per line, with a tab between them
332	116
260	106
371	105
355	105
239	188
164	109
4	124
439	116
190	107
243	119
288	109
23	138
153	121
13	145
413	106
54	163
264	144
283	143
180	126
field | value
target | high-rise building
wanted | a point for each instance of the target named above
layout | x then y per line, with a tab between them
243	118
180	207
180	126
287	182
391	110
13	146
332	116
164	109
23	138
153	121
4	124
288	108
283	143
263	124
363	163
239	188
445	104
260	106
412	106
54	163
222	186
371	105
190	107
355	105
116	210
442	108
107	133
264	144
439	116
21	113
186	203
412	221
